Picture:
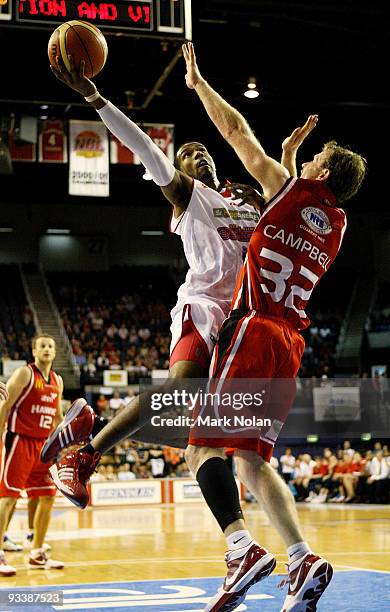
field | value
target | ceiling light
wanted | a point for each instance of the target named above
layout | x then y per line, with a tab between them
252	91
58	231
152	233
6	230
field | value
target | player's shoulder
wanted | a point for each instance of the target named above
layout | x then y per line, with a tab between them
22	375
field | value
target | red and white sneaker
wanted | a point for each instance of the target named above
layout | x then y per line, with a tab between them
246	566
72	473
40	560
5	569
76	428
307	582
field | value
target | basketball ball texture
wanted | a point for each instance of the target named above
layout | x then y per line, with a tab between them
81	40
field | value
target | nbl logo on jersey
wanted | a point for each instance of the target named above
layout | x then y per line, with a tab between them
316	219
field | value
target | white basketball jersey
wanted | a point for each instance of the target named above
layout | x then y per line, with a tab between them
215	233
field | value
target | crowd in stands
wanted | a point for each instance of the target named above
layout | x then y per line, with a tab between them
345	475
113	327
16	319
379	319
131	460
120	319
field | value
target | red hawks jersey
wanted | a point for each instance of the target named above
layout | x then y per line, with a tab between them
34	411
293	245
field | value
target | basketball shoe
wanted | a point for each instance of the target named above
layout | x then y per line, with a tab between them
11	546
28	542
39	560
72	473
246	566
307	582
5	569
76	428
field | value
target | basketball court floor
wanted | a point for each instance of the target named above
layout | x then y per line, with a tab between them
170	558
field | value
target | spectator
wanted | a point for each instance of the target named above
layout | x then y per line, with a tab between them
288	461
116	403
125	473
378	483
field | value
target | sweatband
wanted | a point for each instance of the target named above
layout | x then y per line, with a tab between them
155	161
92	97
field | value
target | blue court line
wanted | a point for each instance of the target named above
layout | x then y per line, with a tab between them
351	590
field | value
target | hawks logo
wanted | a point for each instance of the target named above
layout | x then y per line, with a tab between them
317	220
88	144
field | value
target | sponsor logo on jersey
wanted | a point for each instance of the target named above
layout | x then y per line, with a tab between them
235	232
39	384
236	215
49	398
316	219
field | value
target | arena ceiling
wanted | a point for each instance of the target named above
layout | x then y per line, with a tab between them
327	57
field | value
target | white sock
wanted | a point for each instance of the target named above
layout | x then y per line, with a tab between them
238	539
297	551
36	551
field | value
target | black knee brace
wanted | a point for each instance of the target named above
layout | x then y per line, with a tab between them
220	491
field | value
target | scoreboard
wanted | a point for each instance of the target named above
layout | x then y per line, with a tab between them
158	18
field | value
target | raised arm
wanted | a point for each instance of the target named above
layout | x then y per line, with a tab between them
291	144
235	129
175	185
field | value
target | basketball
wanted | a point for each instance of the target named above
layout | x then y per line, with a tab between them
81	40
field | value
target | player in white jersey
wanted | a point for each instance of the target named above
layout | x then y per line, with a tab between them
214	231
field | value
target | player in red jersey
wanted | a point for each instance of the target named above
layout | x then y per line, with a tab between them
30	412
293	245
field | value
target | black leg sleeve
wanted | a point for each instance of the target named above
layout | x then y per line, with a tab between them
220	491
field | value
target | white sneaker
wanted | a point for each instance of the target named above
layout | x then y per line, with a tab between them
41	561
320	499
11	546
310	497
28	540
5	569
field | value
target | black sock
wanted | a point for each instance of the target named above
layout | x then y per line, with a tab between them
98	425
88	449
220	491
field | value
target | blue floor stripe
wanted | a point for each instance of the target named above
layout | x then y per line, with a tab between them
357	591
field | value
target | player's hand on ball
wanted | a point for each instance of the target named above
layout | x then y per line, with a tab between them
193	76
244	194
3	392
295	139
75	79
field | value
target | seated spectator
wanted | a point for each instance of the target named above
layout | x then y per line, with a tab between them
125	473
116	403
102	407
378	481
287	461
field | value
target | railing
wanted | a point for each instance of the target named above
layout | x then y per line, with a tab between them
60	325
29	300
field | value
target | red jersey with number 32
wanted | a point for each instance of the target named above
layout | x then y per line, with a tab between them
293	245
34	411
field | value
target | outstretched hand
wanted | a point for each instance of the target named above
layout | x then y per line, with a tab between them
295	139
75	79
193	75
245	194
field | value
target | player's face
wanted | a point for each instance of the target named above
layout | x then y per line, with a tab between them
313	169
45	350
196	161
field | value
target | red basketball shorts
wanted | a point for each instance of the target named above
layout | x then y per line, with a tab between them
22	469
253	347
190	346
